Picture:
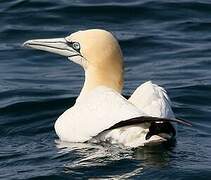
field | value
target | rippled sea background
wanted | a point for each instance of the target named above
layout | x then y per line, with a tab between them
166	41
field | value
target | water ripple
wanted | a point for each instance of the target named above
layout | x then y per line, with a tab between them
167	42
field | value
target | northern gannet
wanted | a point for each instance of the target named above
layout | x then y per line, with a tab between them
101	113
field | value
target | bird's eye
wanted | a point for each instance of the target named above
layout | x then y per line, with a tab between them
76	46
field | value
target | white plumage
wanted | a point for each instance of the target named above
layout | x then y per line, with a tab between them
153	100
103	108
96	112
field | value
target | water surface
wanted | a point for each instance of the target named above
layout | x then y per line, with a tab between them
168	42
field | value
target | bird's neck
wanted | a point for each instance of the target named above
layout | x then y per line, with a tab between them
109	77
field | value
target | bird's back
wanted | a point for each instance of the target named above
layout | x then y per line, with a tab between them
153	100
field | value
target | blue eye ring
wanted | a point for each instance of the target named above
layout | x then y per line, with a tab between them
76	46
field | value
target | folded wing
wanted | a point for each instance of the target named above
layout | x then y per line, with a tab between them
153	100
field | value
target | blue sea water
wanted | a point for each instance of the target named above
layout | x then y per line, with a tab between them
166	41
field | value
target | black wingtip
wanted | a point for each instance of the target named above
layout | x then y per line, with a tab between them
165	130
147	119
184	122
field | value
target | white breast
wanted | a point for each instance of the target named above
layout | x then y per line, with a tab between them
99	110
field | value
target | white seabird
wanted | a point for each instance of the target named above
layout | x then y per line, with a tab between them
101	113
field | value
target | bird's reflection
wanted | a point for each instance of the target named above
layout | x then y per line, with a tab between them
155	155
94	156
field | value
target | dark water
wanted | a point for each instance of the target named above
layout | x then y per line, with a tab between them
168	42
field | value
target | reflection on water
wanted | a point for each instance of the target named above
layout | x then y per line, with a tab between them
154	155
93	156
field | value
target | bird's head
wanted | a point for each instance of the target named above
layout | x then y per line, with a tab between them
94	47
96	50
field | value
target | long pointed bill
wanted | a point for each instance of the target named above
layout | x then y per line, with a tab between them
55	45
